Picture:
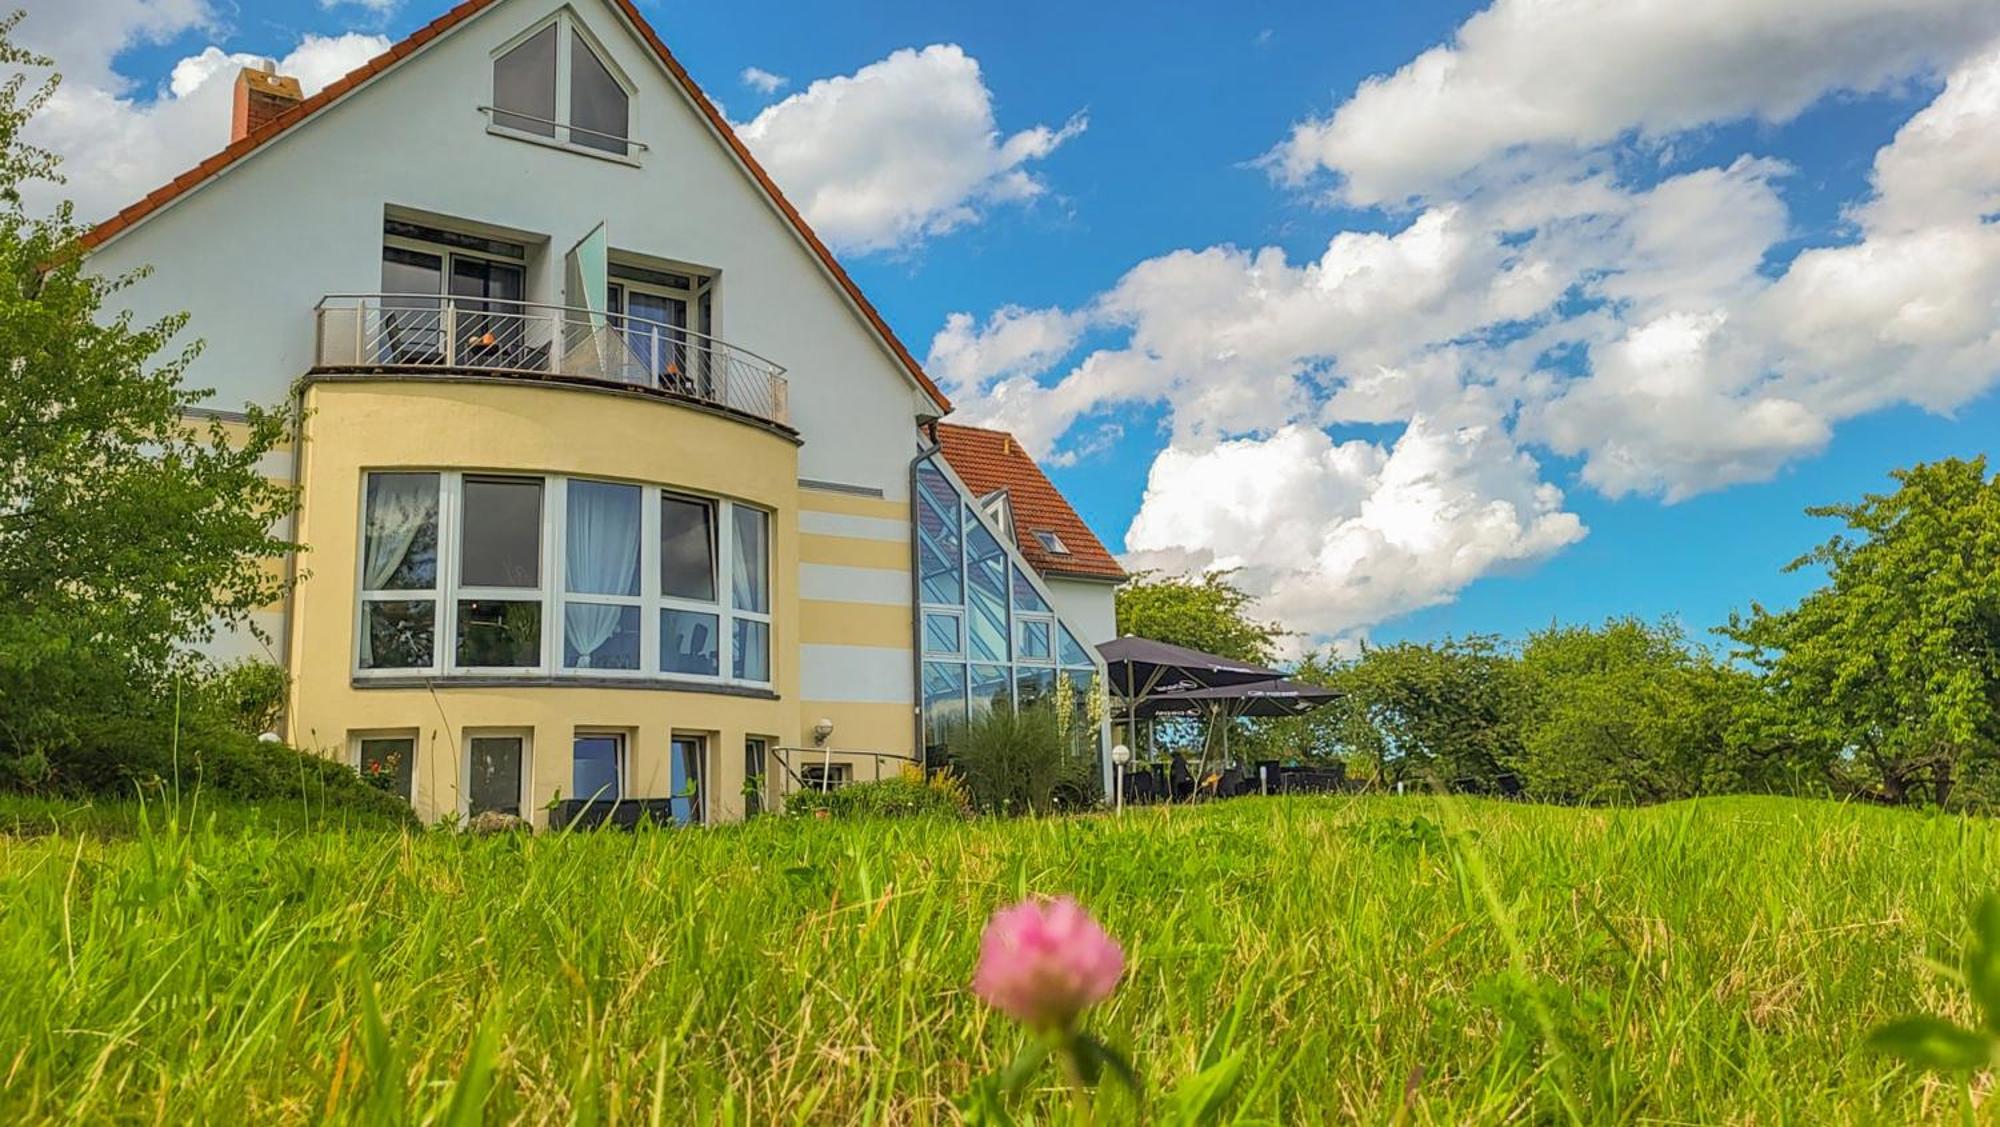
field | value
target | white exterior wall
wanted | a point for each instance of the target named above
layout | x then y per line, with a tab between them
1086	605
249	253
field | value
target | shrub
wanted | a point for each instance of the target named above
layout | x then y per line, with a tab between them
248	696
912	794
1017	761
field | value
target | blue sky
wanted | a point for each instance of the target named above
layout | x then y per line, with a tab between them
1539	239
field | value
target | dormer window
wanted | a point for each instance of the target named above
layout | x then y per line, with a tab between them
556	84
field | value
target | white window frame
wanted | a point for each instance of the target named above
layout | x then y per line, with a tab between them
568	29
1026	618
539	594
621	760
703	746
718	514
649	582
434	594
359	736
527	738
553	593
727	595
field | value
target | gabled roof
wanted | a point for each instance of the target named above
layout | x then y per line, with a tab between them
992	460
236	151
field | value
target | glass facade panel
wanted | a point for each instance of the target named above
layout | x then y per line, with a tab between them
941	633
1026	598
989	635
750	567
597	104
389	763
602	557
1035	685
600	636
1033	639
750	650
688	642
992	687
687	548
939	540
595	774
399	539
986	593
500	541
398	634
524	80
1073	651
494	770
499	634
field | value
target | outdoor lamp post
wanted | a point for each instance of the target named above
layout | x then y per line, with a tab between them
1120	756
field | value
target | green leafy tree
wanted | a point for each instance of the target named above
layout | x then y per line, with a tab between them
1630	711
1209	613
1887	677
127	532
1435	714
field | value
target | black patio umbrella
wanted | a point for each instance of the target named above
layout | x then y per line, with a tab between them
1279	697
1139	669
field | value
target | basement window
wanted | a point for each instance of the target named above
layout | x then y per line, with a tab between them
556	83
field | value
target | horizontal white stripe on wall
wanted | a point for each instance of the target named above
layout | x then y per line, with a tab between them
829	583
865	528
856	674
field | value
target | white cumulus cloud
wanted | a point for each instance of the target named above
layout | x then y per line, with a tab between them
763	81
1570	291
119	143
901	150
1568	73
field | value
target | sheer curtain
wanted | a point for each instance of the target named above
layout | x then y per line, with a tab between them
751	585
603	559
399	507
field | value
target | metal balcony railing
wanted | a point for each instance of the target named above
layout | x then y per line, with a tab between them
483	335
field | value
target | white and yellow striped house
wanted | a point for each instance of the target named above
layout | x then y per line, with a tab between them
615	490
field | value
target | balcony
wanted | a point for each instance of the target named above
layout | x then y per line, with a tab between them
425	333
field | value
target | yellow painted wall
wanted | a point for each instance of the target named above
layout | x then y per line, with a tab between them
355	426
866	733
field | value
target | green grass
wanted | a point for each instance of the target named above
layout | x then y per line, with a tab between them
26	815
1699	963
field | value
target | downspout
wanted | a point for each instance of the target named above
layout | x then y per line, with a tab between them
929	430
288	646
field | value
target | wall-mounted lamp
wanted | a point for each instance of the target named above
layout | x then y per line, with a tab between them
822	731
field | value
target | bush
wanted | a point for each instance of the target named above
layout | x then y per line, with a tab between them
912	794
128	742
1017	761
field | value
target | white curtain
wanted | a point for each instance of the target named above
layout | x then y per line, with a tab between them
399	507
603	559
751	585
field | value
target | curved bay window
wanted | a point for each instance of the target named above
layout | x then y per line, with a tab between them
989	635
517	575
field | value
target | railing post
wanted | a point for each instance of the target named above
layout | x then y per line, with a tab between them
360	331
450	333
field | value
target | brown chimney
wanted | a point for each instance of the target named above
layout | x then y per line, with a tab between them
261	94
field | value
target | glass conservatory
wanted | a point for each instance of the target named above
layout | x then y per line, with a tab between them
990	636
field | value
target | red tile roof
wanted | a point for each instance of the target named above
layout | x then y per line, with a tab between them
989	460
160	197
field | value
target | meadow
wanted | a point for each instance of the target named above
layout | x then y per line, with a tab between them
1412	960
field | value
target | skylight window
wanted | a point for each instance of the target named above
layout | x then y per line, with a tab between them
556	84
1051	542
